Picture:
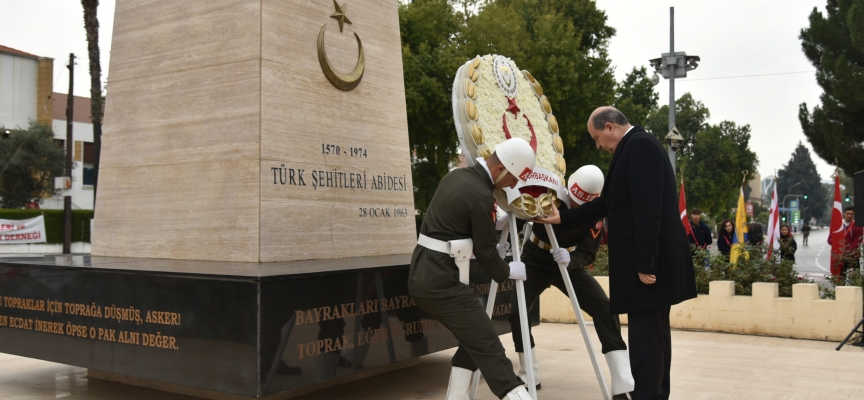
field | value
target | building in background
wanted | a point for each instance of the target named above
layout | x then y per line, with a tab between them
26	86
756	190
767	189
27	94
82	151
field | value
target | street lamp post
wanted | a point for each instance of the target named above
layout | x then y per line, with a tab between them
672	65
789	210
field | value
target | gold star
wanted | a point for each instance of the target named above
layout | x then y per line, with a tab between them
339	15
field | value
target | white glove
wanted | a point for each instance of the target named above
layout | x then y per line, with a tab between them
517	270
561	255
503	249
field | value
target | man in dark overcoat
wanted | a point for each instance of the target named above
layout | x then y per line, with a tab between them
650	268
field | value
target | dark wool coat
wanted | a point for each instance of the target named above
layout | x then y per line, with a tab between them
640	201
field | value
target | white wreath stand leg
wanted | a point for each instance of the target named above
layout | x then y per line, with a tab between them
523	313
553	241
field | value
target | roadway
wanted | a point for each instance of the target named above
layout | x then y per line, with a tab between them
814	260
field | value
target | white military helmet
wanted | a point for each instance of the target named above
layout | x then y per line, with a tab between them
585	184
517	156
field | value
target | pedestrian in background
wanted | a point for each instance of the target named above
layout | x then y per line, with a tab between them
851	241
805	232
754	230
788	247
724	237
700	233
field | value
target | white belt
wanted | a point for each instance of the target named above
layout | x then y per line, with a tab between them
545	246
460	249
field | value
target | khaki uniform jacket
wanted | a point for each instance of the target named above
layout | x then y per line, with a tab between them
462	207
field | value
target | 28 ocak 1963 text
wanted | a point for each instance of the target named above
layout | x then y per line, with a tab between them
382	212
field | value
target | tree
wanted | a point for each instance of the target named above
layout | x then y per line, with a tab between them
97	103
712	157
847	183
563	43
29	161
799	176
635	96
430	59
713	170
835	46
691	117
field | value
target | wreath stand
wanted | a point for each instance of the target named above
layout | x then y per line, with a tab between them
858	328
523	316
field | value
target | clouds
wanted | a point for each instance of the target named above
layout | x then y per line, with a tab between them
733	38
55	28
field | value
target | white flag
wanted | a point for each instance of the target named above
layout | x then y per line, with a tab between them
773	224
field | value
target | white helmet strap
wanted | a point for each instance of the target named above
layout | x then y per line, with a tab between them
501	176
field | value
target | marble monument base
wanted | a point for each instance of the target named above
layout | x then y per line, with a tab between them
240	330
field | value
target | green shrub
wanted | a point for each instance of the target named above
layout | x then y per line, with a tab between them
54	222
601	262
853	278
717	268
749	269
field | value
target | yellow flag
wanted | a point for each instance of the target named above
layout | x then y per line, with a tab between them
739	239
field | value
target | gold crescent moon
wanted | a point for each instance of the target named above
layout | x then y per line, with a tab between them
342	81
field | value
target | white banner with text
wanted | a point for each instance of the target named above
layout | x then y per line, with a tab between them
23	230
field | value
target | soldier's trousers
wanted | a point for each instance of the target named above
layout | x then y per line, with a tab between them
479	345
592	299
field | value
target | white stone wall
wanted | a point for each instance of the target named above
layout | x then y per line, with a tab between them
17	91
802	316
82	195
43	248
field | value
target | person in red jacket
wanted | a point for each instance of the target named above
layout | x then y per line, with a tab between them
851	245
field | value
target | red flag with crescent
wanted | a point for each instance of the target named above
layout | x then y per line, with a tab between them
682	208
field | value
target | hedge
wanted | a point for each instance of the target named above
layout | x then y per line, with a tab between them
54	222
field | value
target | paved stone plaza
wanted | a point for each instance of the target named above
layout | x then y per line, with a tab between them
705	366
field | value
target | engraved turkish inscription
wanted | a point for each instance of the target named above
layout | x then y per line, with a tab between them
131	325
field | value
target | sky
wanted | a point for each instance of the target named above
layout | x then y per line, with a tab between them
732	37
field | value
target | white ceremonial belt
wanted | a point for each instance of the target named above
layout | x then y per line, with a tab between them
545	246
460	249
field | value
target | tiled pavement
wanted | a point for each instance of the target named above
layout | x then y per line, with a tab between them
705	366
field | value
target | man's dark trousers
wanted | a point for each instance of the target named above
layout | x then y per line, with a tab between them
479	345
592	299
650	352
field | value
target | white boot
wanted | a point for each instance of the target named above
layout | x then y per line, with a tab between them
460	382
523	375
619	368
520	393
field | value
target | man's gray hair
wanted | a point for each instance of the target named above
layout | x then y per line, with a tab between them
609	115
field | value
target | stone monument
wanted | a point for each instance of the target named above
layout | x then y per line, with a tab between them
254	217
225	139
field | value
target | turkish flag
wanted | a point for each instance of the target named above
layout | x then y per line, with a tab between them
837	235
682	208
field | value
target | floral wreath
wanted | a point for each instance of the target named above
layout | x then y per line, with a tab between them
494	101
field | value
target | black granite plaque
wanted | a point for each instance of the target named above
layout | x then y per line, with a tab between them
240	330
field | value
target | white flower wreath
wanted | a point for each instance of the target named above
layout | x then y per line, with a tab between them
493	101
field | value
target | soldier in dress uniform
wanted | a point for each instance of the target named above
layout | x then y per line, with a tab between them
578	248
461	220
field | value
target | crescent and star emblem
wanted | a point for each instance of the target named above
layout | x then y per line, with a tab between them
342	81
513	108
